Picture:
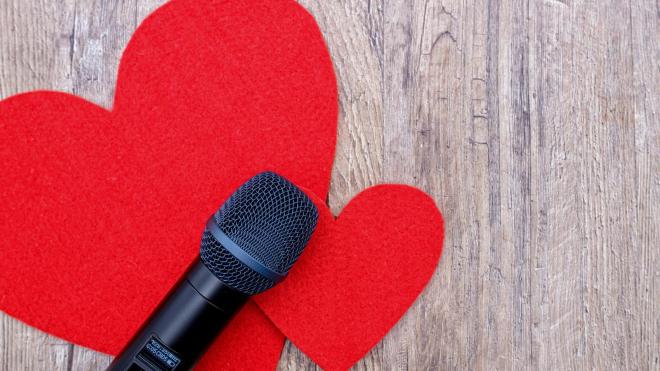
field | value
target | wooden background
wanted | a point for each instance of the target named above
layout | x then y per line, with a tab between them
534	125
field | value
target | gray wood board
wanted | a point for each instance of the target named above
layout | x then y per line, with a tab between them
534	125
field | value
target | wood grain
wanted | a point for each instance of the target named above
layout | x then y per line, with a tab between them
535	126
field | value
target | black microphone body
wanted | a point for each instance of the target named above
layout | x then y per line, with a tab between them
184	325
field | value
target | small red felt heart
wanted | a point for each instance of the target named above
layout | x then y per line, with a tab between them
101	211
359	274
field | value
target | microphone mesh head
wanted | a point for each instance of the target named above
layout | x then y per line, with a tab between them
271	220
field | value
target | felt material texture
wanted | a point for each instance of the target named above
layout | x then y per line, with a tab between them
358	275
101	210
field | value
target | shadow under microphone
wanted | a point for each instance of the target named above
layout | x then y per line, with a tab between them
247	247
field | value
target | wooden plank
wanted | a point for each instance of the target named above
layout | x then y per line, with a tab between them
101	31
557	235
34	54
24	348
352	30
645	290
534	126
71	46
427	134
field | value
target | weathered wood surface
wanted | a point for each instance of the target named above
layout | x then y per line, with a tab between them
534	125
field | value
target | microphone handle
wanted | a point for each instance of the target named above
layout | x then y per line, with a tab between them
184	324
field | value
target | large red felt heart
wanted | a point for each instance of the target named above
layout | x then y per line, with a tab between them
102	210
359	274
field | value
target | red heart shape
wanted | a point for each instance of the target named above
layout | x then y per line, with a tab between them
359	274
102	210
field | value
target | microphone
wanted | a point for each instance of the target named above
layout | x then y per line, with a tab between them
247	247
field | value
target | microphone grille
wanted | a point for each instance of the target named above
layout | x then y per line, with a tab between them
268	218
